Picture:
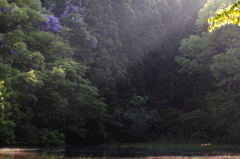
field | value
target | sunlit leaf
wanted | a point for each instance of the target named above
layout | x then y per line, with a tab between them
220	11
235	20
238	21
229	15
210	29
210	20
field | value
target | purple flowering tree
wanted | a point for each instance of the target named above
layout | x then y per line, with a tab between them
72	16
51	24
73	7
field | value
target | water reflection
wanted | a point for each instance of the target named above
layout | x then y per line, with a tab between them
104	152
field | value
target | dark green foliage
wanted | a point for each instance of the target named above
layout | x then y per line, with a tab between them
44	96
196	125
223	106
47	137
85	72
68	100
213	58
7	132
137	120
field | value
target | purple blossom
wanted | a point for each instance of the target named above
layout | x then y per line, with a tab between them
7	9
72	9
80	4
75	9
3	46
64	15
68	2
52	6
52	24
12	51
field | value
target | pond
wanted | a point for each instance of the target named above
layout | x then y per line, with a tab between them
114	152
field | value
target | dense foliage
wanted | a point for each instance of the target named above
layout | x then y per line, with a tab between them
78	72
230	15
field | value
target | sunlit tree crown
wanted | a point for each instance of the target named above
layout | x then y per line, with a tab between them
229	15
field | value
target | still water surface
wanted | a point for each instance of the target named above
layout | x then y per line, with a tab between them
108	152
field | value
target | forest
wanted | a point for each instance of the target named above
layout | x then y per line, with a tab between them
76	72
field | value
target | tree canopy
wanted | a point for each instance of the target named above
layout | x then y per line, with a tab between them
227	16
86	72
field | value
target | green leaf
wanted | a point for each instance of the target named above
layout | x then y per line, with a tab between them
210	20
235	20
238	21
220	11
210	29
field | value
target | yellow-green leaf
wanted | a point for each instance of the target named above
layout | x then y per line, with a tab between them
238	21
210	29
